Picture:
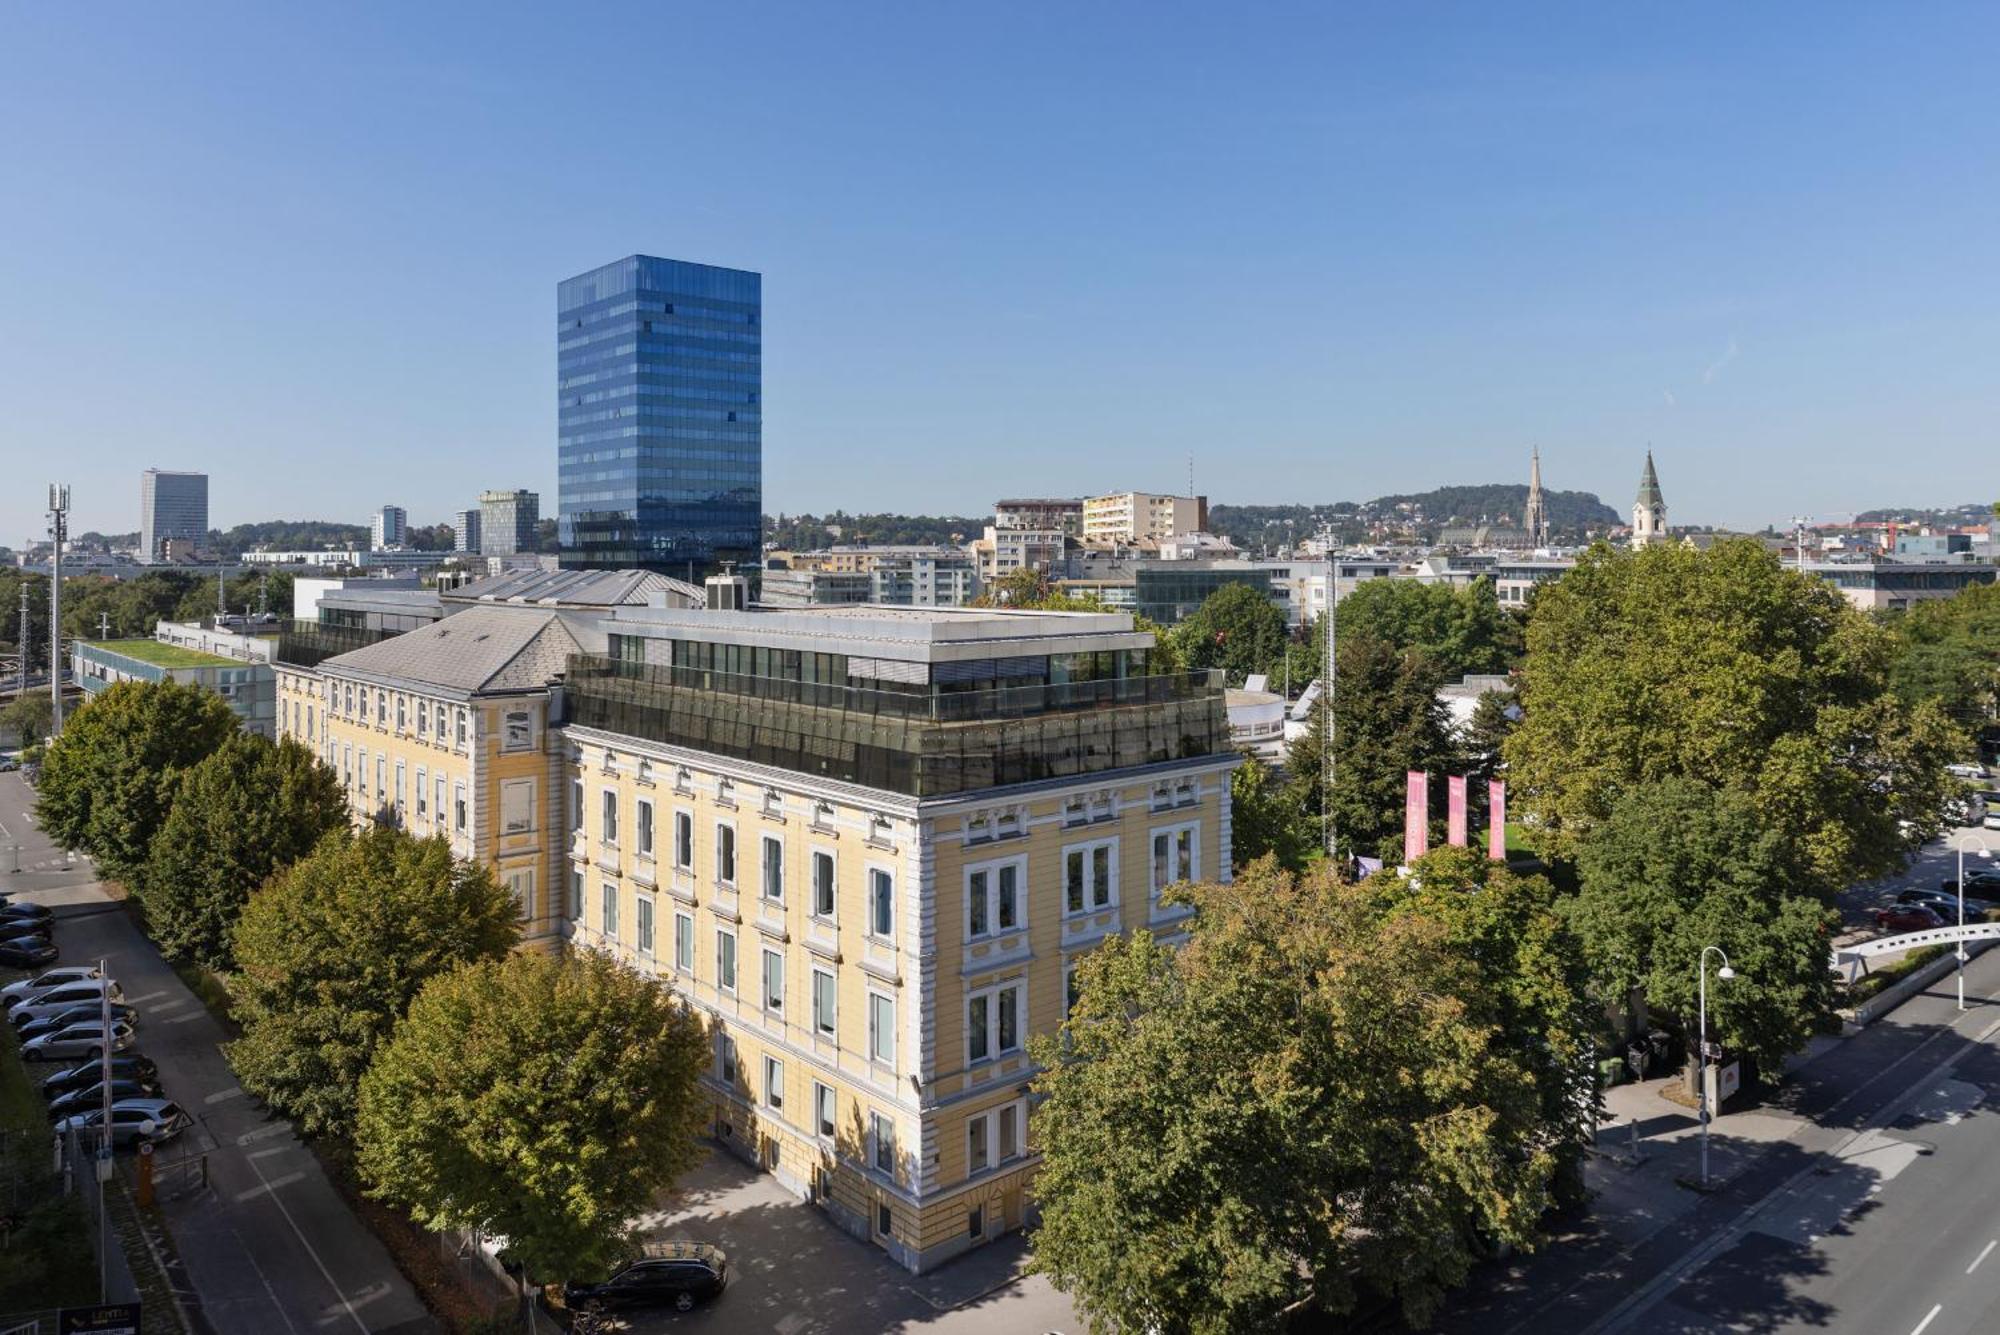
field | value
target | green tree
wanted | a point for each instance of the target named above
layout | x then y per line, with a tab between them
1030	591
1237	628
107	782
1461	630
1025	587
1494	716
332	950
546	1099
29	718
1387	721
1265	818
1327	1089
246	810
1679	865
1950	652
1723	666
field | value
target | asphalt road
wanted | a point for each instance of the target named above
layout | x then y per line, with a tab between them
270	1247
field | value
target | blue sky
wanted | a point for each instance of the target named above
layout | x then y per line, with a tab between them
1331	251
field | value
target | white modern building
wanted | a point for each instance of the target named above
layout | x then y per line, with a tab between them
388	527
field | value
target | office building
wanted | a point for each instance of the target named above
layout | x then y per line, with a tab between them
388	527
465	525
1130	518
659	412
173	508
507	522
869	846
236	667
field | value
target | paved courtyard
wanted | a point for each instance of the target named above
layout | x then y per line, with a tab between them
793	1272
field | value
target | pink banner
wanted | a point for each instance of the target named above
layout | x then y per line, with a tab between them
1416	817
1455	811
1496	818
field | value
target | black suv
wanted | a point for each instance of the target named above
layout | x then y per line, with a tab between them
663	1274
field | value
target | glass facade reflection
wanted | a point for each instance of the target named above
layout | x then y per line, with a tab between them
659	415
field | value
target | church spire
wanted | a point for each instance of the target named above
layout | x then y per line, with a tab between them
1649	509
1536	518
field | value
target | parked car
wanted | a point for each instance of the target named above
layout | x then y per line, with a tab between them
1907	918
132	1120
20	929
1980	878
9	766
663	1274
79	1040
92	1097
21	908
1966	771
124	1066
1945	902
27	952
56	999
43	981
77	1014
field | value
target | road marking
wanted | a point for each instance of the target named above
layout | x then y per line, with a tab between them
264	1133
224	1095
269	1188
1984	1252
325	1274
275	1149
184	1019
1927	1320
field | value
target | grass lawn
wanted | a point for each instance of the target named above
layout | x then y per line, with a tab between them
167	655
1520	842
48	1260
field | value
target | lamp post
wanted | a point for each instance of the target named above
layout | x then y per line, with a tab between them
1985	851
1724	973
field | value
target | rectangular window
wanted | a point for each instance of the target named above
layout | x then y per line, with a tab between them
423	793
978	1155
993	898
462	727
437	808
642	922
774	869
517	806
381	782
576	893
881	903
1010	1132
882	1029
824	1004
576	804
402	774
684	840
823	1110
607	824
310	735
423	718
882	1143
725	854
725	960
725	1052
774	981
608	924
517	730
645	828
774	1083
684	943
993	1022
521	881
382	708
1090	877
1174	856
822	864
458	820
402	713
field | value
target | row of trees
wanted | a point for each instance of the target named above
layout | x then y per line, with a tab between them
384	1006
130	607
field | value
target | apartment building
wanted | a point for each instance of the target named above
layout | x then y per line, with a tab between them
1127	518
1000	551
1046	514
870	845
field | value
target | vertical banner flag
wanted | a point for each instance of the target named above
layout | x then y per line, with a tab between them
1455	811
1416	817
1496	819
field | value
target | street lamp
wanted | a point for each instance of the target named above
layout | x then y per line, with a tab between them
1724	973
1985	851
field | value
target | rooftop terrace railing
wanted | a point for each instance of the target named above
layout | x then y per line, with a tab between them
310	643
918	741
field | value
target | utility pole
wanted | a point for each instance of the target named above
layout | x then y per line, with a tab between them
24	641
1326	685
1799	540
263	591
58	530
104	625
221	594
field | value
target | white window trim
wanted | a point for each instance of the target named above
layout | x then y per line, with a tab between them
517	785
1193	827
813	855
607	922
878	1142
689	967
992	870
1087	848
645	826
826	1026
764	982
874	995
735	855
825	1093
868	907
774	1081
735	961
607	830
994	1052
764	846
683	814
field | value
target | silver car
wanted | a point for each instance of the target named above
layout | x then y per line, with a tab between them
56	1000
132	1120
79	1040
15	993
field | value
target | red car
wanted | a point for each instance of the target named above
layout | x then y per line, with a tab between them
1906	918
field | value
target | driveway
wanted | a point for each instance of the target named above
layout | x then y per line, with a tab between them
269	1245
792	1272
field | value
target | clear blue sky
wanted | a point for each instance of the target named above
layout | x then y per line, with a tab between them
1331	250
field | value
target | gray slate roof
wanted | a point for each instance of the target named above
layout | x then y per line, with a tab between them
479	649
577	588
1649	487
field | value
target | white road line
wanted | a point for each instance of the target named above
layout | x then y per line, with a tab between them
1928	1319
224	1095
326	1274
1984	1252
269	1188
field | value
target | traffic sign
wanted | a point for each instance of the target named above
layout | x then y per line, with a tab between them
104	1319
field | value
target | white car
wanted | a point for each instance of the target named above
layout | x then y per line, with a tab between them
56	1000
132	1120
42	982
84	1040
1963	771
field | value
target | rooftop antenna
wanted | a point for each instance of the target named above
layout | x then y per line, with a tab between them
23	659
59	531
104	625
1799	539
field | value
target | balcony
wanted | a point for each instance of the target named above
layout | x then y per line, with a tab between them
920	743
310	643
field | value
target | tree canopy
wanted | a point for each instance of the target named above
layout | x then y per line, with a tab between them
333	949
107	782
1721	665
1328	1089
247	809
1237	628
1461	629
547	1099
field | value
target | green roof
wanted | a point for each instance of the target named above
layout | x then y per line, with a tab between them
166	655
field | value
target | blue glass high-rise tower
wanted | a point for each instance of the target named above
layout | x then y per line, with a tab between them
660	446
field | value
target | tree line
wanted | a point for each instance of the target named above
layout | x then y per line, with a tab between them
383	1003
